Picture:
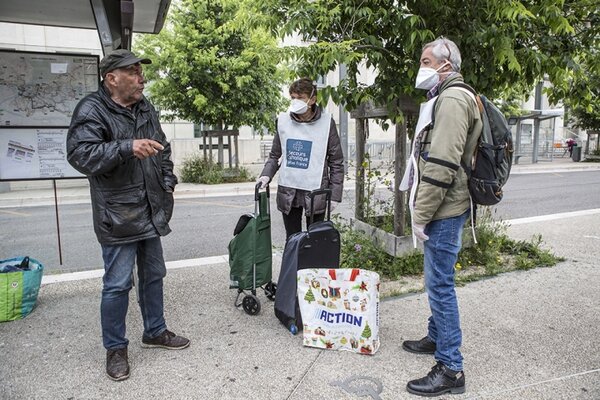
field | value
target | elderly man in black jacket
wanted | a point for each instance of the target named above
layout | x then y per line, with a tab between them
115	139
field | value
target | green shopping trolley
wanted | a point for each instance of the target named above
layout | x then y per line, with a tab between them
250	255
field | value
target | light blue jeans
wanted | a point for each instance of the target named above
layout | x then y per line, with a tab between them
118	267
441	253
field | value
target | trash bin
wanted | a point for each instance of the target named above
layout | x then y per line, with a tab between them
576	153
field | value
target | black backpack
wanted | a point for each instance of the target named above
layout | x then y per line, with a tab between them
493	156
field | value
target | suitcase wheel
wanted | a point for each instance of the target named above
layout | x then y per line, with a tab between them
270	290
251	304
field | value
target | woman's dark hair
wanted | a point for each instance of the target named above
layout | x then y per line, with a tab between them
304	86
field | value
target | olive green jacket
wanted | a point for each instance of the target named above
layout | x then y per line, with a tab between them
443	191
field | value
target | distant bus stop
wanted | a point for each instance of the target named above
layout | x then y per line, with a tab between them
537	143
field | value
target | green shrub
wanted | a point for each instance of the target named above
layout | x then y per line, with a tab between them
491	236
359	251
530	254
196	169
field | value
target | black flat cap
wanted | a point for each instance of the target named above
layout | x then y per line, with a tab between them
119	59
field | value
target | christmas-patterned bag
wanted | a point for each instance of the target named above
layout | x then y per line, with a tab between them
340	309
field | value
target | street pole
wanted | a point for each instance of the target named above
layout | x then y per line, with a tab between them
536	122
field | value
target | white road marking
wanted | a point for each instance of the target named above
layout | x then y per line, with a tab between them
521	387
97	273
551	217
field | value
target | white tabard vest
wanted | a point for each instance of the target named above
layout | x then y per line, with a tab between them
410	180
303	151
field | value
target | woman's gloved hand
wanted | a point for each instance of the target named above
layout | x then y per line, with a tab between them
264	181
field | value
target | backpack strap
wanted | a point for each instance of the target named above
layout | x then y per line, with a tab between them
465	88
469	90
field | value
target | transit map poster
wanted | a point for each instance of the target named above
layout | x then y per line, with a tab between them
42	89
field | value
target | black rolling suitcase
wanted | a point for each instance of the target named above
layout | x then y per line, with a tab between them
318	247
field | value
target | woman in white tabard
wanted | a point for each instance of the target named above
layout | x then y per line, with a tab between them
307	153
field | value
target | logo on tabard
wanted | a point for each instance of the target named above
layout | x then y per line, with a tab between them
14	285
297	145
298	153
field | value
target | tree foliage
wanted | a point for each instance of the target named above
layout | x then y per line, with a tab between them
208	67
507	46
582	91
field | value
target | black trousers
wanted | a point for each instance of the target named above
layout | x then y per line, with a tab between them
293	221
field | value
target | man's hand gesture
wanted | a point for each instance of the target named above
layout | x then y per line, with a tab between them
144	148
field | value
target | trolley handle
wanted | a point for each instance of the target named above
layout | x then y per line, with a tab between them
256	190
257	199
318	192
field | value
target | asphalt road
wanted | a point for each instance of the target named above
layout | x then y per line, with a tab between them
203	226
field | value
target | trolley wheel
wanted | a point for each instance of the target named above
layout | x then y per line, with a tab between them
270	290
251	304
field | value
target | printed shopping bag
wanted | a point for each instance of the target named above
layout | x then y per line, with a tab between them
20	280
340	309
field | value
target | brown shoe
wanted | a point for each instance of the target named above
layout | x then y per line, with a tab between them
117	365
166	340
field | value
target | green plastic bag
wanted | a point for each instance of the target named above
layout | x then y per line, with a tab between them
20	281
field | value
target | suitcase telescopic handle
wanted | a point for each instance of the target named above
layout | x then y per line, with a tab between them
318	192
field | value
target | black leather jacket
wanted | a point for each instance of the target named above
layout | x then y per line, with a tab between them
132	199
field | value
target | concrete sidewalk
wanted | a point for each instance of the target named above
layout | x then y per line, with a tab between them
527	335
77	191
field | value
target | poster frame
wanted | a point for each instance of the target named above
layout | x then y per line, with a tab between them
4	127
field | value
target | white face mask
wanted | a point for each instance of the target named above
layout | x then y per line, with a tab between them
426	78
297	106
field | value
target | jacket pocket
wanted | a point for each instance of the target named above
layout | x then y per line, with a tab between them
168	204
127	213
168	201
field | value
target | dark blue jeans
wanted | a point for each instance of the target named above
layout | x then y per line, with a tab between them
118	267
441	253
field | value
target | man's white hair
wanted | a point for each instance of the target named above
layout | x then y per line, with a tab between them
445	49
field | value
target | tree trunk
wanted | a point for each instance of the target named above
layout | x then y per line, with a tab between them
359	212
399	167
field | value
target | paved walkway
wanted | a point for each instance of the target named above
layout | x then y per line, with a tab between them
527	335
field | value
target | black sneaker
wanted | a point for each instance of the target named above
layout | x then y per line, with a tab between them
117	364
439	380
166	340
423	346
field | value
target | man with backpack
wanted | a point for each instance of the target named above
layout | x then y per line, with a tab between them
449	127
